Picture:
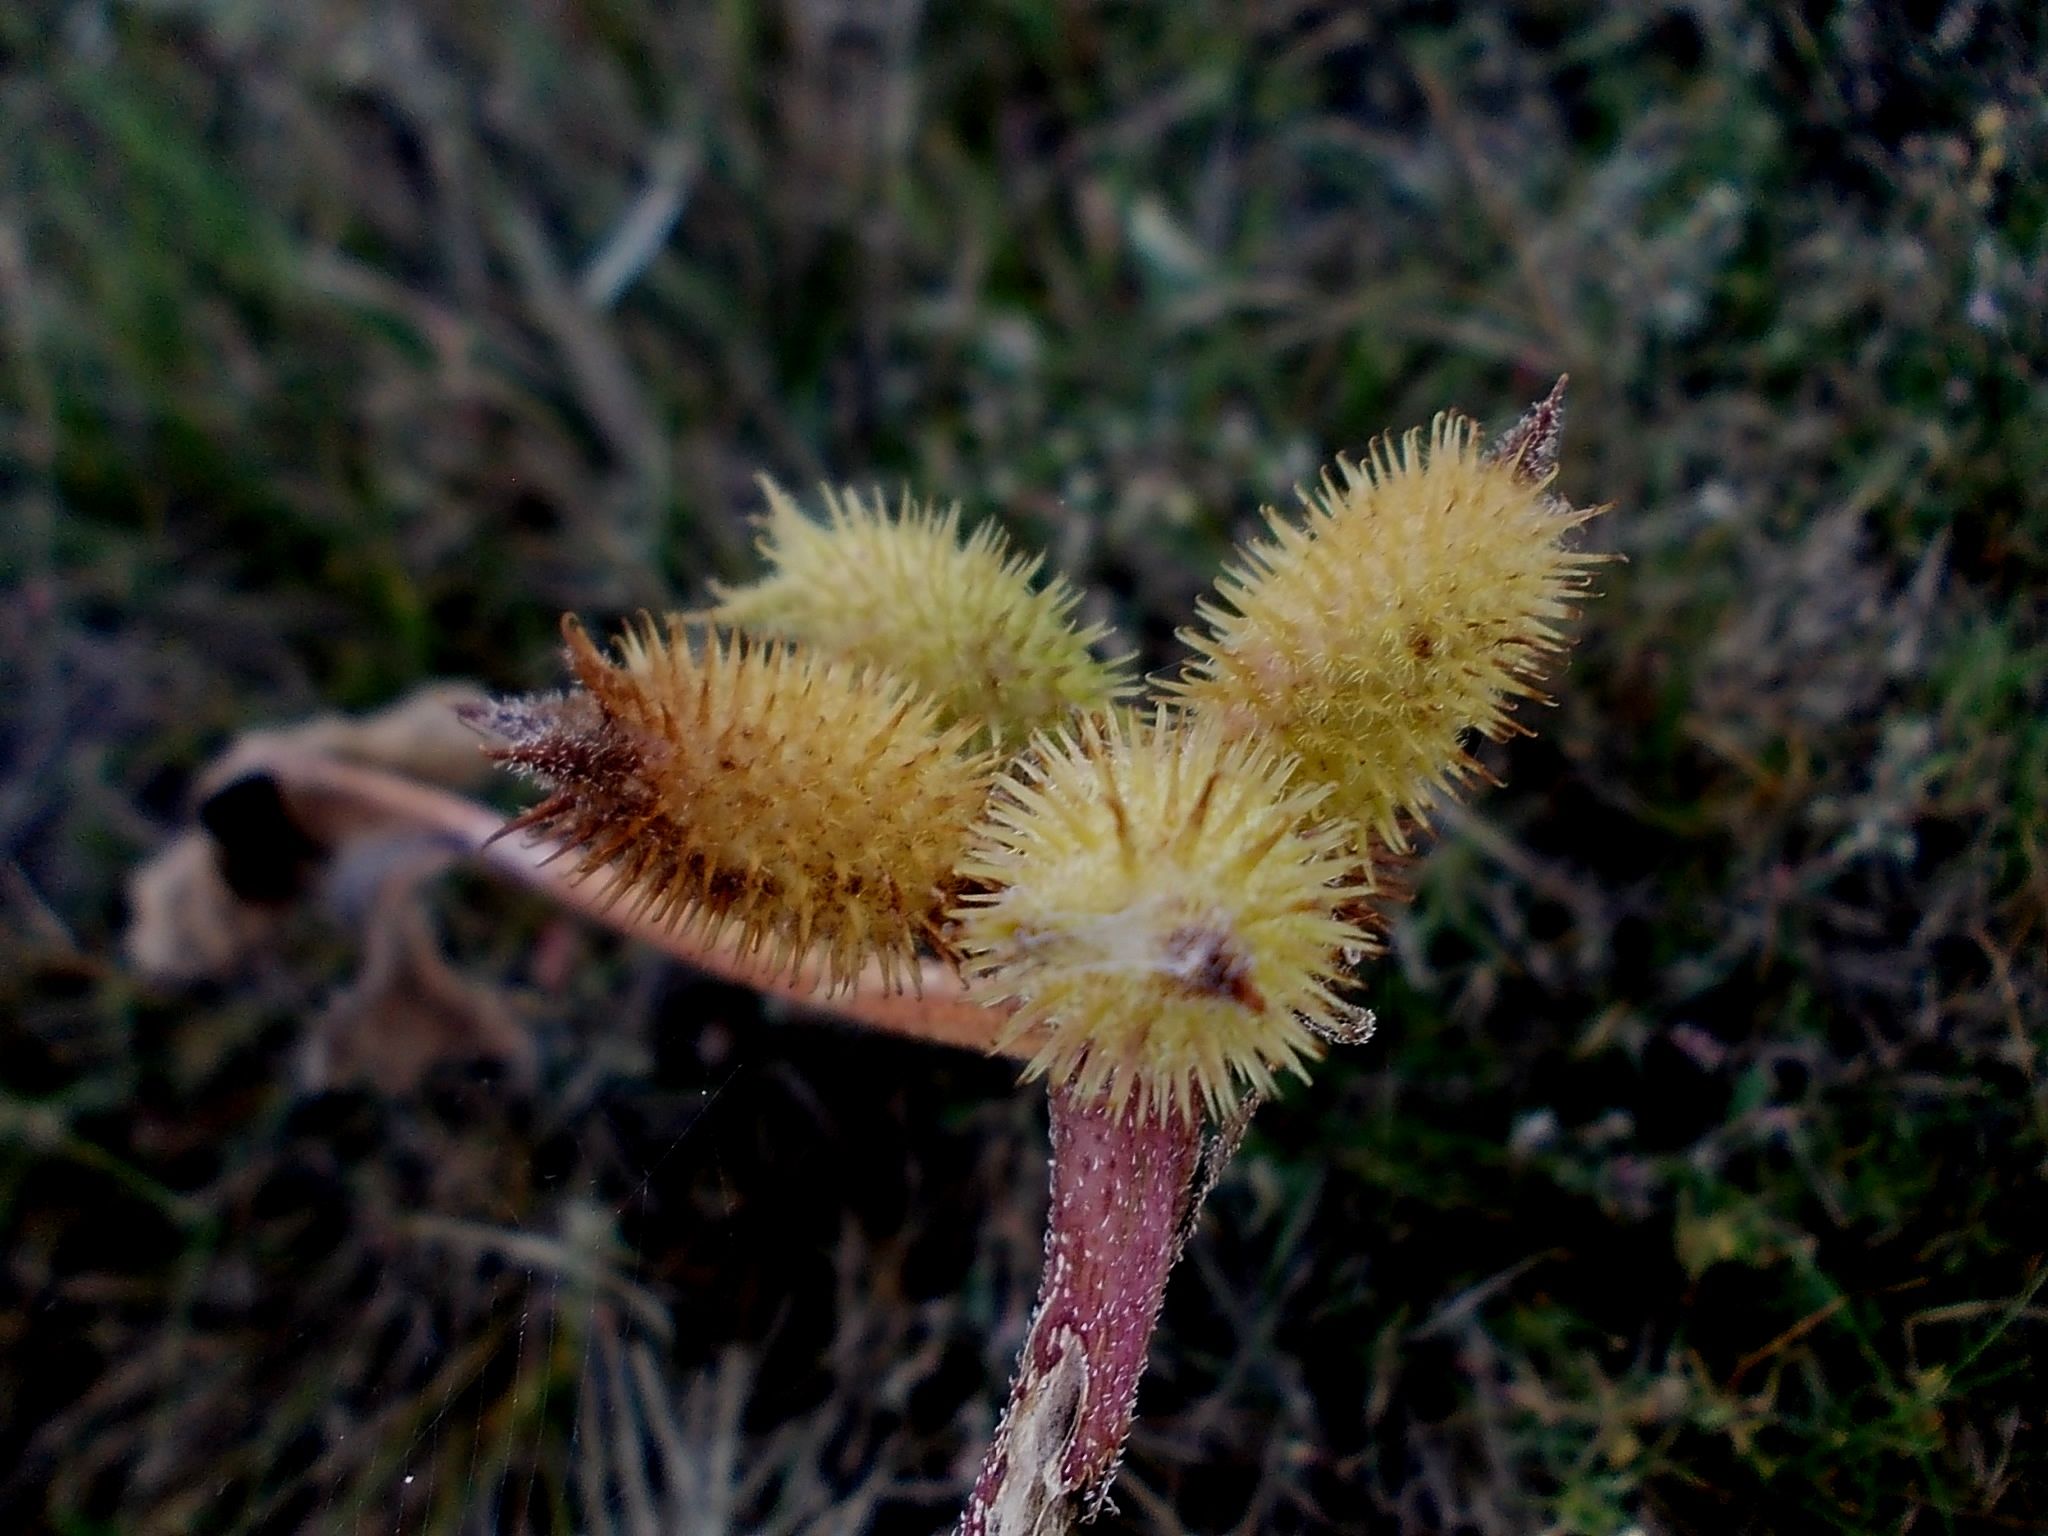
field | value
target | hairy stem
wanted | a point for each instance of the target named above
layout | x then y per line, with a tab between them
1123	1188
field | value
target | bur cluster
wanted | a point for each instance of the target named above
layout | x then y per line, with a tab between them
900	741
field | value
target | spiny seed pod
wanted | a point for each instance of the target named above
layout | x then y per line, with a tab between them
1162	912
1423	594
961	620
792	799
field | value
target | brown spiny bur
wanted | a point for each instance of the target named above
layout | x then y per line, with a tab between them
799	803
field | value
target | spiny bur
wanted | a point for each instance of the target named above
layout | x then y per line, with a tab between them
1421	596
1163	912
962	620
750	788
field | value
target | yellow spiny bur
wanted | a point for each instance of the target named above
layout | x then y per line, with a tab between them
794	800
1420	597
1161	911
960	620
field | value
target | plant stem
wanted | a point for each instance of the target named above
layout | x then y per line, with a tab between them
1123	1188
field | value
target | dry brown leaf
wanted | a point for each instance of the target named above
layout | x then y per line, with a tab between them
207	901
185	924
420	735
409	1011
217	896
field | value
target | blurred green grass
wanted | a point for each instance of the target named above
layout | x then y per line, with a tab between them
1696	1179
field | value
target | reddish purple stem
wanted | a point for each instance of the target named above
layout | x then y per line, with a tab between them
1121	1189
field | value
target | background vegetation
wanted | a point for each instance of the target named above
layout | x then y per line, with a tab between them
1695	1181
